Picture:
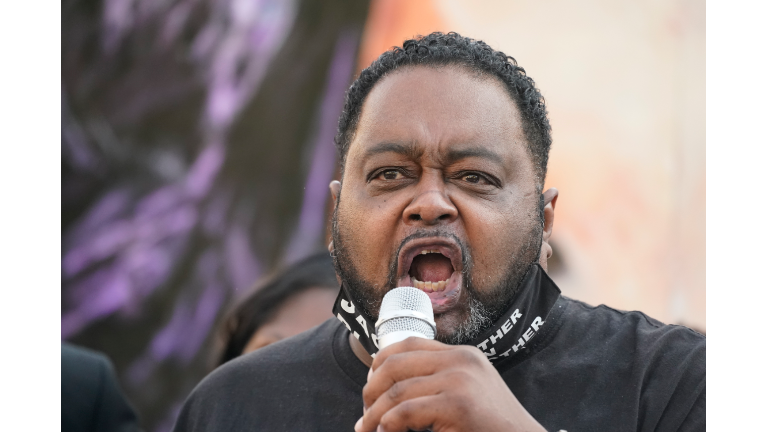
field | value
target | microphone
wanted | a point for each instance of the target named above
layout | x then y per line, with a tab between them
405	312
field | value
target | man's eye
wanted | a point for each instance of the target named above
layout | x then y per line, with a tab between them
391	175
472	178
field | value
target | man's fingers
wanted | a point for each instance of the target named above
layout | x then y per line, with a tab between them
409	344
398	393
401	367
413	371
414	414
404	365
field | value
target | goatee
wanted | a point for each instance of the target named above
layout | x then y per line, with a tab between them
484	306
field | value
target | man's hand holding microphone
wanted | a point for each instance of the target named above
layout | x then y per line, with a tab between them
417	383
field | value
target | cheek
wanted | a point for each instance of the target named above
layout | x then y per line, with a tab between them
368	227
495	232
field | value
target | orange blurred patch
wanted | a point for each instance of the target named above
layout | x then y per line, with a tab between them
391	22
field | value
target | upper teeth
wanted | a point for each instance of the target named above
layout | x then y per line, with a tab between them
424	252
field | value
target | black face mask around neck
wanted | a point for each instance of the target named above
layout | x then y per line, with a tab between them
510	334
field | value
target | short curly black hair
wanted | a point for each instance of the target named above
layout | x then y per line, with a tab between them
451	49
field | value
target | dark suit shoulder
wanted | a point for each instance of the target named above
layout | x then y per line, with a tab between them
82	366
91	398
82	375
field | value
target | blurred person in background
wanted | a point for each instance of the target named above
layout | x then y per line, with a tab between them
91	398
294	300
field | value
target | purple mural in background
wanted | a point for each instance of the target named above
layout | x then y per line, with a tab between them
311	223
197	148
137	238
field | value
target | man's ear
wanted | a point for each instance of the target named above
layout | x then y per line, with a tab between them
335	191
549	203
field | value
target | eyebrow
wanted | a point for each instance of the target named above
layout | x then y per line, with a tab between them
480	152
413	152
408	150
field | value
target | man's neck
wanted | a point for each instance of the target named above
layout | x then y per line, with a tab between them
360	351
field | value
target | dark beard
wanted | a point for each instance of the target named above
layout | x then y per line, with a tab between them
484	307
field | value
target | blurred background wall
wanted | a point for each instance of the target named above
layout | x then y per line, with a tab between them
197	148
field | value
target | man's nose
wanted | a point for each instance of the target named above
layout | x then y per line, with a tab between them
431	206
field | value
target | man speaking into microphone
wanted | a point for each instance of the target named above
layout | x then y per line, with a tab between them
443	146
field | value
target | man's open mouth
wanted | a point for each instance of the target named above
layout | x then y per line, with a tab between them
434	266
430	270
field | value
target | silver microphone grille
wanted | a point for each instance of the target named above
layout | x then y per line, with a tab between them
405	324
406	311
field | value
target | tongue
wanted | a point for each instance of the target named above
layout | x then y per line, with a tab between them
431	267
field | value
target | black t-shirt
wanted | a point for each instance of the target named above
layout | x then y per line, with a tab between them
591	368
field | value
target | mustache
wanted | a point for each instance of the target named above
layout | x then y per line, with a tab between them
434	233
